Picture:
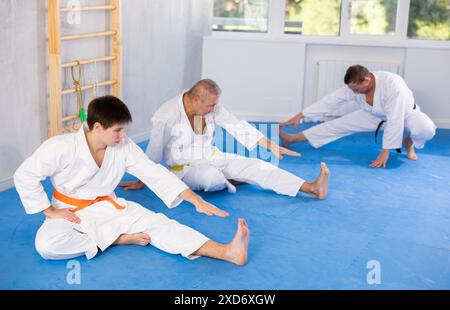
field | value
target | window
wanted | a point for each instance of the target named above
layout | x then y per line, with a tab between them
241	15
312	17
429	19
374	17
383	20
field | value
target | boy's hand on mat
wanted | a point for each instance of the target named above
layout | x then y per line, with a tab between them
52	212
293	121
279	151
381	160
132	185
205	207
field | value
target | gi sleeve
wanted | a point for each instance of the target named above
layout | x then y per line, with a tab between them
330	105
394	107
161	181
245	133
158	139
48	159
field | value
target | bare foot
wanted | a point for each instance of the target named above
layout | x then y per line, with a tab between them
409	146
238	247
320	186
138	238
287	138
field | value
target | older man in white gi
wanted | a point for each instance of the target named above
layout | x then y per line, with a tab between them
182	134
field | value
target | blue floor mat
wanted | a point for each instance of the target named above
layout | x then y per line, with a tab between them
398	217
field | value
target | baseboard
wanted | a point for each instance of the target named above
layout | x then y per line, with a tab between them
6	183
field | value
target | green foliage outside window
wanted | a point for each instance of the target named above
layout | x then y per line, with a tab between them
429	19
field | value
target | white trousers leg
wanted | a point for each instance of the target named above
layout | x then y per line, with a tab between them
168	235
60	239
206	177
421	128
358	121
258	172
215	174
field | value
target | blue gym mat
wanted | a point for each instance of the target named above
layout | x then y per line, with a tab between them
398	217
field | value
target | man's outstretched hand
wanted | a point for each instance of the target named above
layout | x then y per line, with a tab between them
279	151
381	160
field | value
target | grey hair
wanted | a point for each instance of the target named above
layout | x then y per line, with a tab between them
204	88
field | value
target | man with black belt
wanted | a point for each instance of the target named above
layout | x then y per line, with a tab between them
380	98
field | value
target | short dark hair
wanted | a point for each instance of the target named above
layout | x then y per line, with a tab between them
108	111
204	88
356	74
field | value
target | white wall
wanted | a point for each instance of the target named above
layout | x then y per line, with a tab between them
23	114
162	44
255	83
162	53
426	71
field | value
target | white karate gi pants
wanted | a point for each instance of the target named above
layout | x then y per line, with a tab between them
213	175
61	239
417	125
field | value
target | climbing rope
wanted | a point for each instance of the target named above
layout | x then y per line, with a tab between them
77	85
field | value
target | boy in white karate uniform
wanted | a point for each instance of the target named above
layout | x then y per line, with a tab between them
380	98
182	134
84	214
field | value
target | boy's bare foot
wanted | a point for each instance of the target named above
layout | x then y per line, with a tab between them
238	247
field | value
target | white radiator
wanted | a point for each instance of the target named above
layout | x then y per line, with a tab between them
332	72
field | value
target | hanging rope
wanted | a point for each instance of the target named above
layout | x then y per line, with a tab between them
66	99
95	80
77	85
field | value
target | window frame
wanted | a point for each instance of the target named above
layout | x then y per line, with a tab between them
400	30
399	39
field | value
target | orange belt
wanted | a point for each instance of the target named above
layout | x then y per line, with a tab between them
80	204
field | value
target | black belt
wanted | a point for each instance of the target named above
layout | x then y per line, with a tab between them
381	124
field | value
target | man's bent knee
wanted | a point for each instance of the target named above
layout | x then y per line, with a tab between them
425	133
215	182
